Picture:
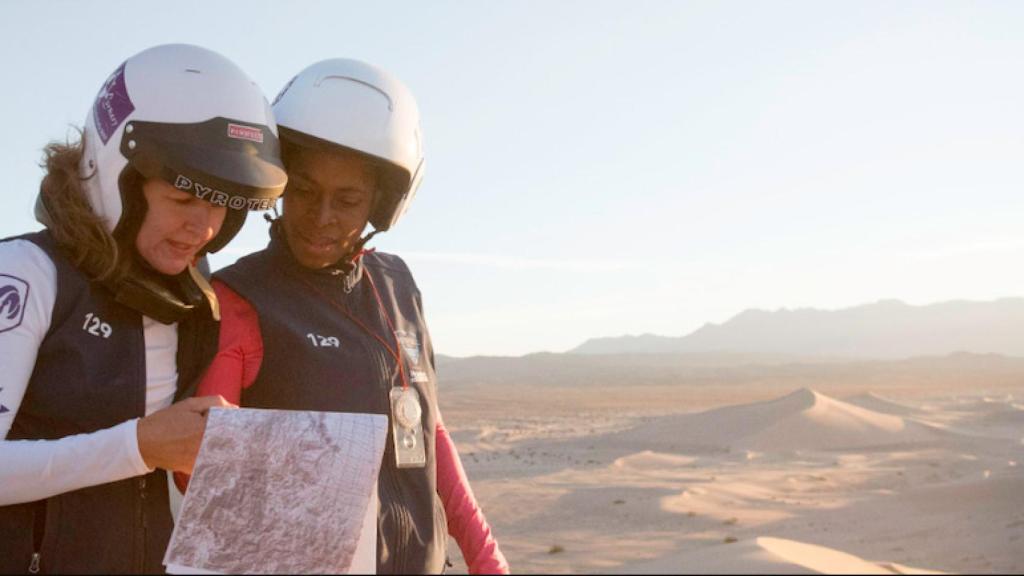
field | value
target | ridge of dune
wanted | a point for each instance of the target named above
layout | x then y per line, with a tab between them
1012	415
876	403
830	424
802	420
986	404
829	560
818	559
648	460
766	555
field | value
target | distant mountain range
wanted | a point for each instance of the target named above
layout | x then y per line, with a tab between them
888	329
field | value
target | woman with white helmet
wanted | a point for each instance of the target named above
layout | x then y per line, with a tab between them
314	322
104	321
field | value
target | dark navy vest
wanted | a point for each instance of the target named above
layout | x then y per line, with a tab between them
88	378
303	369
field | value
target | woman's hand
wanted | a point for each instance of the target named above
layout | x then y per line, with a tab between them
170	438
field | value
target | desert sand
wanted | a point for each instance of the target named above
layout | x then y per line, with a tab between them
735	467
756	476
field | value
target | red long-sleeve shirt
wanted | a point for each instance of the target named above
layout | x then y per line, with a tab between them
235	368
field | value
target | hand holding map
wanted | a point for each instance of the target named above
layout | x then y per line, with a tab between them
277	491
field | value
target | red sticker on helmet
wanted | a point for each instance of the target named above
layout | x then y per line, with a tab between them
240	132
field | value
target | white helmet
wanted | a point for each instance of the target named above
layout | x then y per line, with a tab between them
360	108
188	116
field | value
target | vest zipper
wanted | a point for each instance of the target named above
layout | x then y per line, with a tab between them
141	551
390	473
403	519
394	503
38	533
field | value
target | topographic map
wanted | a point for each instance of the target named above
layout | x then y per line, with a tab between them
281	492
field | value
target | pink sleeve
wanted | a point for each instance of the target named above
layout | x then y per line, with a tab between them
240	348
239	354
466	522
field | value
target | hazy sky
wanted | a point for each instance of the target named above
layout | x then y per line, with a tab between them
603	168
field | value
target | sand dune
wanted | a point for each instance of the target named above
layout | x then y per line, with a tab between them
1011	417
803	483
764	555
874	402
648	460
802	420
985	404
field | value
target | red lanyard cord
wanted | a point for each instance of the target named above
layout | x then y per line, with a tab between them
387	318
397	350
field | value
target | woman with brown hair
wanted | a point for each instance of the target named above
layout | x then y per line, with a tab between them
104	320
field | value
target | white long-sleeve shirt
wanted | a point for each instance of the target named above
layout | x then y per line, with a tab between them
36	469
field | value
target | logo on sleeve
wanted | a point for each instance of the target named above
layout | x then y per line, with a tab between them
13	296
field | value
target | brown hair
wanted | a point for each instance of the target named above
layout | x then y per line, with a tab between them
71	220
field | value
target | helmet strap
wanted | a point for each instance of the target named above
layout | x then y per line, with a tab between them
357	248
166	299
272	220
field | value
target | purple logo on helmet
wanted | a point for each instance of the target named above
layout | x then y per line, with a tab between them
13	295
112	105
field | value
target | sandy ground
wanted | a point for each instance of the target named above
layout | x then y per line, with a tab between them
754	478
750	471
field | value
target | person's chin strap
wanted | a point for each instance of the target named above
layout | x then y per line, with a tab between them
166	299
357	249
346	261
